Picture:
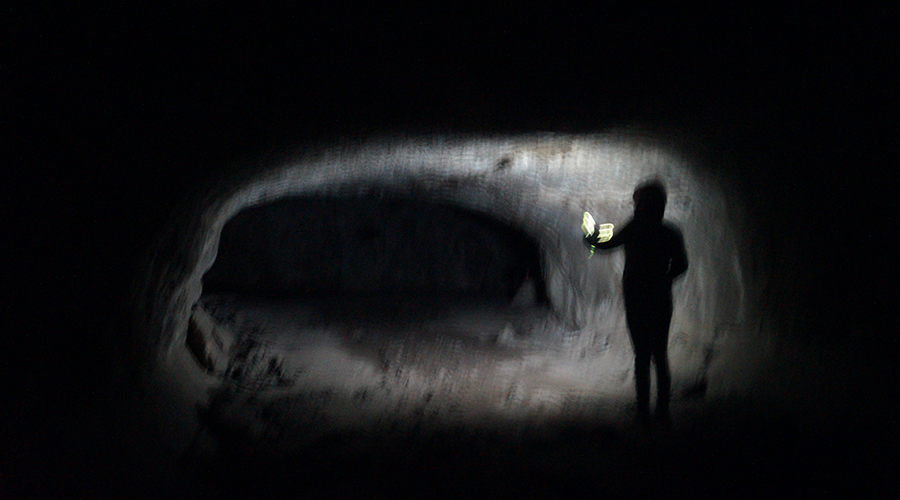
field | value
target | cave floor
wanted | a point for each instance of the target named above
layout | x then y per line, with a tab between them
417	363
386	316
323	365
799	430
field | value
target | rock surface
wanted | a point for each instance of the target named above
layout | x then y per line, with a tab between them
341	287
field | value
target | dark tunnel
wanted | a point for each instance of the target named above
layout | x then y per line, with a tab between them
408	288
379	245
424	299
337	252
378	264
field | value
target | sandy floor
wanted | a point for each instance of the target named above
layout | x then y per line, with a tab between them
437	359
300	370
416	399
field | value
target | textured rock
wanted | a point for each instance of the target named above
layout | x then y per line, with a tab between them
396	217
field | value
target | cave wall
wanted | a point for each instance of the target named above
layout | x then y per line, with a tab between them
538	184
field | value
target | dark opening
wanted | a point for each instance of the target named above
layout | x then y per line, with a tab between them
372	245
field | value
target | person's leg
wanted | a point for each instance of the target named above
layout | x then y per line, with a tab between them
639	317
642	382
642	353
663	382
660	346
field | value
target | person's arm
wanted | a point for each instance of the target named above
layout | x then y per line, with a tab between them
679	263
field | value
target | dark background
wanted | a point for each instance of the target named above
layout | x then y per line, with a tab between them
112	115
370	244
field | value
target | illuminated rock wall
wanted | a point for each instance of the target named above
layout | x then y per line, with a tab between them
537	185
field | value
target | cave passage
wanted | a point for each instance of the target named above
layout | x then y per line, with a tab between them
428	286
311	293
372	248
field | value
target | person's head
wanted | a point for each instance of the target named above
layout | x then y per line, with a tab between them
650	200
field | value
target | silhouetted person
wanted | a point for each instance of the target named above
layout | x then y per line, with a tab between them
654	257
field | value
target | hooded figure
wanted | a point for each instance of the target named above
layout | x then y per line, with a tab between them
654	257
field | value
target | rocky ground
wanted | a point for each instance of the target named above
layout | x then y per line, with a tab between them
395	426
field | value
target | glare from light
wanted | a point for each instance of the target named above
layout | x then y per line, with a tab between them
589	226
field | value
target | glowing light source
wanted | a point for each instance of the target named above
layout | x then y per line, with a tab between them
588	225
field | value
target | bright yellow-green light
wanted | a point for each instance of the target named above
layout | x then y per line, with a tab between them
588	225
